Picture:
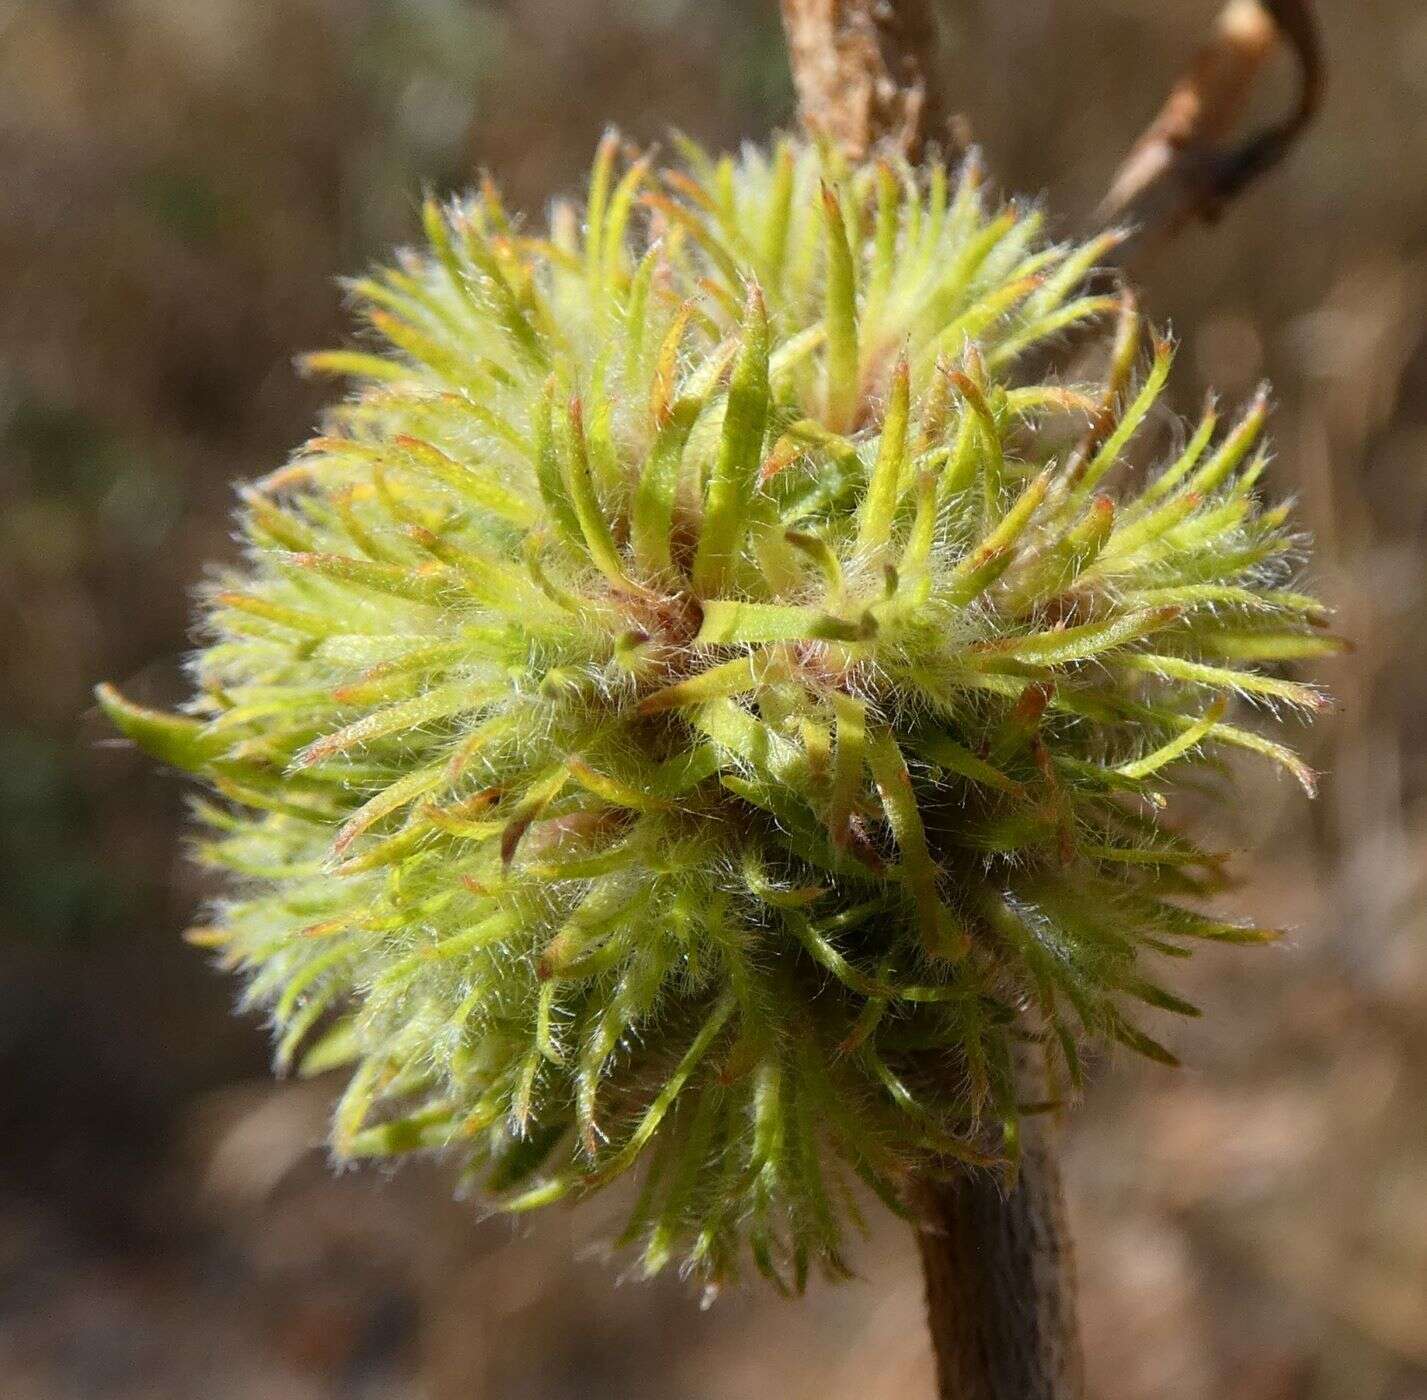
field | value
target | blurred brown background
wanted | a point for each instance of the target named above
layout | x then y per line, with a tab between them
180	183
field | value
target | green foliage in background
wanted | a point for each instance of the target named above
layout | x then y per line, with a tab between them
701	703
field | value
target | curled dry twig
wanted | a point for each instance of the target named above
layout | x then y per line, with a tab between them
1181	169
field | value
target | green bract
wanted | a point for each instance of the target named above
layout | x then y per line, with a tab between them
695	709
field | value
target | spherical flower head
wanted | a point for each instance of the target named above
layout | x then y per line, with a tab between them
702	706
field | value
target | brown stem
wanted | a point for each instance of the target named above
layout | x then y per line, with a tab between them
1000	1280
865	71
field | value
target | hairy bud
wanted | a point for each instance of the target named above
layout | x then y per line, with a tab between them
696	707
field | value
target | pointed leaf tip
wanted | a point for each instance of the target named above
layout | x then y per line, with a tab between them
735	474
173	739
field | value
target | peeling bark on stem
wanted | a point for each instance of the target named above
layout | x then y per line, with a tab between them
865	71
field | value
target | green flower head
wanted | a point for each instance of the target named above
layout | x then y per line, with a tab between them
706	696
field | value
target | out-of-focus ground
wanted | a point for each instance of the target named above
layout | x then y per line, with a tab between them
180	183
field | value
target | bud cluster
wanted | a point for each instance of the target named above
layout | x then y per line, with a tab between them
698	706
